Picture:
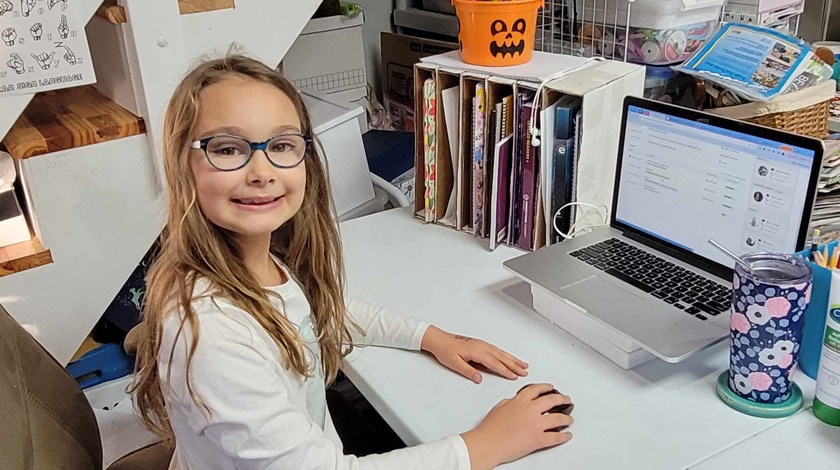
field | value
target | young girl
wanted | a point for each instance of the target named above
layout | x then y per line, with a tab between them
245	317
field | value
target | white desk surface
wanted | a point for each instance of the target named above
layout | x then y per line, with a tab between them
802	441
657	416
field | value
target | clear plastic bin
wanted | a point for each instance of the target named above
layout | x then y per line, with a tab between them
664	32
667	46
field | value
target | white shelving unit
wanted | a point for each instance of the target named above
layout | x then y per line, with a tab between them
98	208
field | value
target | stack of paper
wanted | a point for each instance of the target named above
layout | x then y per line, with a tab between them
827	207
830	173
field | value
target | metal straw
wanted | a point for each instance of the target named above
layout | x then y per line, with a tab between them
728	253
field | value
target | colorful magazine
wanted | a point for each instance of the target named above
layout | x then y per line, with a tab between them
756	63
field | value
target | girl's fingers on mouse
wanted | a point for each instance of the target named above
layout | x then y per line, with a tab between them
547	402
551	439
555	420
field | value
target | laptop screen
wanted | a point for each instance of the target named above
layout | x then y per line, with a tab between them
684	181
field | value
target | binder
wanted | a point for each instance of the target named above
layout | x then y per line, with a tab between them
558	157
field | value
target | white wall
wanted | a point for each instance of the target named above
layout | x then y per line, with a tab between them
377	19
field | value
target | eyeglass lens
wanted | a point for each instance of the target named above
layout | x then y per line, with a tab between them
227	152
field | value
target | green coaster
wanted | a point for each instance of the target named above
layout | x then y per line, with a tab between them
759	410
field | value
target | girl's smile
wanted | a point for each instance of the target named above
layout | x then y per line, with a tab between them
258	202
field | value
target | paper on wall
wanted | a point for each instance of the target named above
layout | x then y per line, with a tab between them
43	46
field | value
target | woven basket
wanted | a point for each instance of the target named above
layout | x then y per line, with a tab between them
811	121
804	112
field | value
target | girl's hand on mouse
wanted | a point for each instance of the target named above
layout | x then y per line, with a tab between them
517	426
457	352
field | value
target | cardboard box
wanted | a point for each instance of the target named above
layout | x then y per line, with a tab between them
399	54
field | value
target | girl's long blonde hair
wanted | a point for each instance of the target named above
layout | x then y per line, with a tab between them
193	248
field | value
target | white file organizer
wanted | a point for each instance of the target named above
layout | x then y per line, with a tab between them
602	85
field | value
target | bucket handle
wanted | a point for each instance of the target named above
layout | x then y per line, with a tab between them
542	3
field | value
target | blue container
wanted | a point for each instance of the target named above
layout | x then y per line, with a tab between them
812	336
766	326
105	363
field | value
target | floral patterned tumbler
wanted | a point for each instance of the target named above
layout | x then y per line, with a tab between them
765	332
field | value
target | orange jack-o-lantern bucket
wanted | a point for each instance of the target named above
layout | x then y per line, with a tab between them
497	33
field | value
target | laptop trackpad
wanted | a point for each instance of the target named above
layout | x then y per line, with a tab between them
642	319
601	293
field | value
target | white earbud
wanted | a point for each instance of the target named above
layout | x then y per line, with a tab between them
535	137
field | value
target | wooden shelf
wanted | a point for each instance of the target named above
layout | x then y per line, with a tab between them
69	118
111	11
116	14
22	256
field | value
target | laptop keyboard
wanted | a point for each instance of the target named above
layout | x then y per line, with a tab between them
694	294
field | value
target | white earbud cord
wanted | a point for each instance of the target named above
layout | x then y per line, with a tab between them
574	232
535	131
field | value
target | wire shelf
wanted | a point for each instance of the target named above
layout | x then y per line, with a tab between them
584	28
599	27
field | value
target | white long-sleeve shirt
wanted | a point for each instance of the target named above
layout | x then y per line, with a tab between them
264	415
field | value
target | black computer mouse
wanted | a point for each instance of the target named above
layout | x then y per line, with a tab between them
565	409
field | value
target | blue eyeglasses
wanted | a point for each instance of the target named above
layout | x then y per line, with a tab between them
229	152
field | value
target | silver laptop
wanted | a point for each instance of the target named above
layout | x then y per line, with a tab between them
682	178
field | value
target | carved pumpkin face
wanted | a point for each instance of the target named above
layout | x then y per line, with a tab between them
507	39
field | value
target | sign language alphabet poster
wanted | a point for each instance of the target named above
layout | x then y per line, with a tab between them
42	46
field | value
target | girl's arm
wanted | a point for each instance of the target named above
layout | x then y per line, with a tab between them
255	420
382	327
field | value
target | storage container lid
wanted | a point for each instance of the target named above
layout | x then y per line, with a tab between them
666	7
660	14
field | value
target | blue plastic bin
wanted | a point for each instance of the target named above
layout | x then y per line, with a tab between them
812	334
103	364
